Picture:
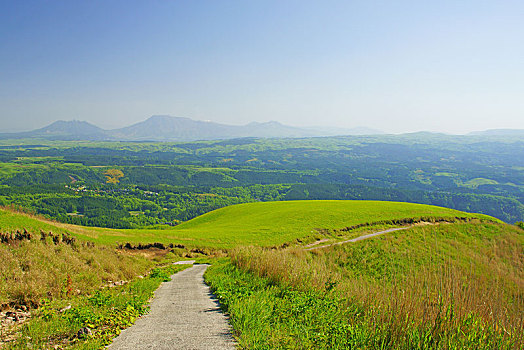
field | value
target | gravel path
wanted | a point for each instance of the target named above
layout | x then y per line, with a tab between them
184	315
361	237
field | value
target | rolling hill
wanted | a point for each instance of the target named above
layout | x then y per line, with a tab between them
261	223
411	281
273	223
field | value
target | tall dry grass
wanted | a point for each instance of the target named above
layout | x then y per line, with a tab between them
463	286
33	270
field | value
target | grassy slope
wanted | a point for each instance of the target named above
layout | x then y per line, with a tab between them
264	223
51	273
446	286
12	221
106	312
32	270
273	223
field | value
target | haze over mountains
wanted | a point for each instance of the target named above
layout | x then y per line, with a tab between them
499	132
168	128
176	129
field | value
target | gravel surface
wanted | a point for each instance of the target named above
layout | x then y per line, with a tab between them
184	315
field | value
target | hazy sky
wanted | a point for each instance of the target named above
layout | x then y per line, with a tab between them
399	66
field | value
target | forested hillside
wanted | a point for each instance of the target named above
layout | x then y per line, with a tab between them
161	183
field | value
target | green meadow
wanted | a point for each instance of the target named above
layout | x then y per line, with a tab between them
262	223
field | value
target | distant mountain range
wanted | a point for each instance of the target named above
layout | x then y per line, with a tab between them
167	128
177	129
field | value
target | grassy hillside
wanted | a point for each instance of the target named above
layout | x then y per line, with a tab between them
36	266
11	221
263	223
273	223
453	284
44	269
430	287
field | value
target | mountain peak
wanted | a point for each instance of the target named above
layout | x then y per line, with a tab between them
170	129
67	130
76	126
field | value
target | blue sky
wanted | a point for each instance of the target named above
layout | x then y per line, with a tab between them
398	66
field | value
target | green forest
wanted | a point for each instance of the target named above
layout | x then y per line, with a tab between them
134	185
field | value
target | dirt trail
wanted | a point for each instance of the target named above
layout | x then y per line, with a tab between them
361	237
184	315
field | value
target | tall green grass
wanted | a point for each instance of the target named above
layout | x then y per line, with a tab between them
452	286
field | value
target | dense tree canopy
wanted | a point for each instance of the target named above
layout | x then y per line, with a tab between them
135	185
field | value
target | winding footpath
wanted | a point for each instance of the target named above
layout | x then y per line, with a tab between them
184	315
361	237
